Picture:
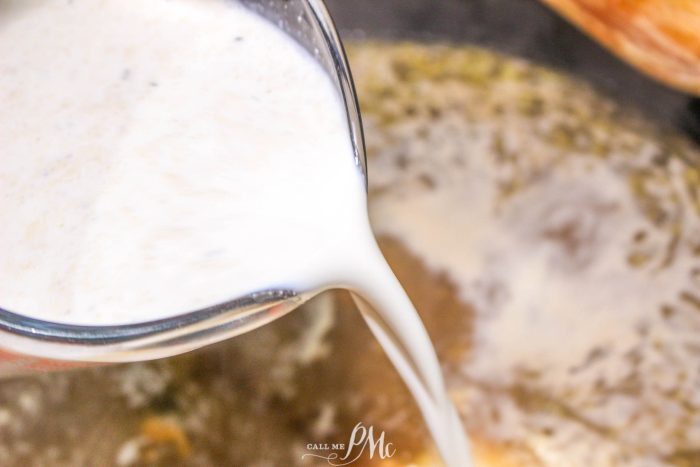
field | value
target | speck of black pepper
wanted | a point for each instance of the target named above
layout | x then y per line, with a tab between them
659	158
695	273
640	236
667	311
165	403
401	70
153	84
435	112
402	161
427	181
643	329
690	299
126	74
238	38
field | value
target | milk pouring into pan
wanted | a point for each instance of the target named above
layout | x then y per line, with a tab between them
174	173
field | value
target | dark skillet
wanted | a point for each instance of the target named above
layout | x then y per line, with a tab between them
524	28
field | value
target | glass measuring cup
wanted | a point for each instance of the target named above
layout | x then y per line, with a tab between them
28	345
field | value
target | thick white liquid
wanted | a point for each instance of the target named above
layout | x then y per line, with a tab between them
162	156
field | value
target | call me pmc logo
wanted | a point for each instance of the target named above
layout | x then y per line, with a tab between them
363	441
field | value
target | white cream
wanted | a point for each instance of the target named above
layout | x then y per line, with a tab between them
160	159
162	156
571	318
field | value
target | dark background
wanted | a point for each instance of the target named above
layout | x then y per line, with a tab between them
524	28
